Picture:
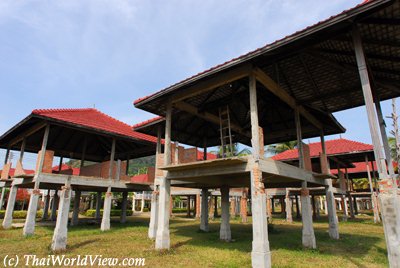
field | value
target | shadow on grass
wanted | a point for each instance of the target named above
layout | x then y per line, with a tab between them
82	244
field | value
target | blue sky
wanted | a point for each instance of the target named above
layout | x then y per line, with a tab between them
76	53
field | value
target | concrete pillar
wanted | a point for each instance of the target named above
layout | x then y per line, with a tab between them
211	208
75	211
54	206
142	203
46	206
198	204
225	229
345	209
288	203
306	216
59	242
3	191
351	205
188	206
243	206
154	214
260	254
8	217
269	209
133	203
317	207
123	206
332	217
355	205
204	210
98	206
29	227
215	206
297	207
105	221
163	238
91	202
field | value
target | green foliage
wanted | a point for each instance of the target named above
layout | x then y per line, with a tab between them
179	210
139	165
281	147
20	214
361	184
114	212
236	151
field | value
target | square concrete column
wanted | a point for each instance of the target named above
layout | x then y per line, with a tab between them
162	238
29	227
204	210
123	206
105	221
8	217
59	242
75	211
211	208
197	206
288	203
3	191
332	217
54	206
306	217
351	205
260	254
269	209
225	229
154	214
188	206
98	206
46	206
345	209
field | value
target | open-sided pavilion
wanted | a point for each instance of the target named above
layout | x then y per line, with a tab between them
104	147
288	89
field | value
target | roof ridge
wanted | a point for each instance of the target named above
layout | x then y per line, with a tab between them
147	121
57	110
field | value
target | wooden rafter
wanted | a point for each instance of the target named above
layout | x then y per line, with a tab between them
274	88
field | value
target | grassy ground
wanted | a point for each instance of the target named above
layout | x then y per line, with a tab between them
361	244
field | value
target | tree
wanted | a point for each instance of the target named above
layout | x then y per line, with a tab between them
235	149
281	147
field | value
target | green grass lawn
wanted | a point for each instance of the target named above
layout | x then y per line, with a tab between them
361	244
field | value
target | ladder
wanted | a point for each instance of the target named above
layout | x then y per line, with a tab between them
225	132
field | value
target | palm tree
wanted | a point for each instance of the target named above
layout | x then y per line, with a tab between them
281	147
235	151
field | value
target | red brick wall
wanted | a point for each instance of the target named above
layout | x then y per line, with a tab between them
47	163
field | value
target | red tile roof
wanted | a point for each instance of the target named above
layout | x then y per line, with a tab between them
360	167
142	178
141	124
333	147
256	52
94	119
210	156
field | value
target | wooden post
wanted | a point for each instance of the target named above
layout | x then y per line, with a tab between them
83	152
22	152
7	156
112	156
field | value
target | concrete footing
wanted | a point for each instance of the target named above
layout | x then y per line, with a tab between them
162	237
123	207
332	217
204	210
29	227
59	242
105	221
260	254
153	215
75	211
308	237
390	206
225	229
8	217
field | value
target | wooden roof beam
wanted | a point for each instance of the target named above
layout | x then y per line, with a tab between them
275	89
183	106
210	84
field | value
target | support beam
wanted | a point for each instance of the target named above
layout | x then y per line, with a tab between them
59	242
204	210
163	238
274	88
260	254
29	227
